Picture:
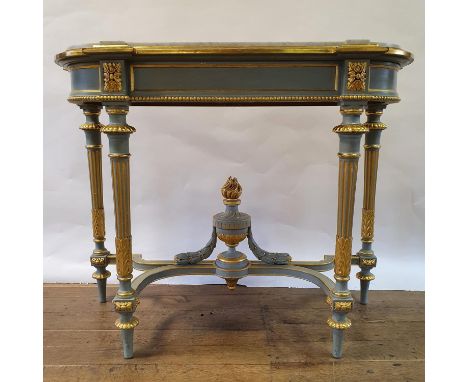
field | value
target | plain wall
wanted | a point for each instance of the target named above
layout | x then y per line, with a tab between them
284	157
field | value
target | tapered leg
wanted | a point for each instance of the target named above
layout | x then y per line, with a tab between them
99	257
125	302
349	132
367	258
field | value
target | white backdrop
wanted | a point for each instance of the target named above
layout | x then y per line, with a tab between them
284	157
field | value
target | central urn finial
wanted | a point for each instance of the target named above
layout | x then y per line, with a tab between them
232	226
231	191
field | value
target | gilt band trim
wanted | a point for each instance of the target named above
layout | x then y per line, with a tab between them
354	128
132	324
362	277
101	276
349	155
375	125
89	126
233	99
339	325
118	129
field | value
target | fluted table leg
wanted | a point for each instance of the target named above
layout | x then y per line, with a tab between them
125	302
367	258
99	258
349	132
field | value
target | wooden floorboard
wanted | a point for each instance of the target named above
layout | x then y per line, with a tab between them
207	333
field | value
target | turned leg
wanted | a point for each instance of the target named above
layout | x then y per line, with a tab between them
99	258
367	258
125	302
341	302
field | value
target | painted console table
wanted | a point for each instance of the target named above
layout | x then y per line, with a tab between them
355	75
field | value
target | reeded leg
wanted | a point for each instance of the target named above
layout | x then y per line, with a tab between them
341	302
99	257
367	258
125	302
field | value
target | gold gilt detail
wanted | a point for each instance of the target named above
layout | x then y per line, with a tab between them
340	306
113	111
127	325
99	261
99	227
339	325
101	276
349	155
91	126
357	76
368	277
118	129
343	306
234	99
231	189
231	283
367	225
232	240
123	258
126	306
368	262
112	77
375	125
343	256
354	128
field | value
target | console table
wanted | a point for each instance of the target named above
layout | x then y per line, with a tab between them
356	75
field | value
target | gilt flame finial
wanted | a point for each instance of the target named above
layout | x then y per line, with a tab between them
231	189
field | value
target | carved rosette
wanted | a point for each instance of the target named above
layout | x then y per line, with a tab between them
343	256
367	225
123	258
112	77
357	76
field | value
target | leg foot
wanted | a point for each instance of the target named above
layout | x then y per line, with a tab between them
364	291
337	346
127	342
365	276
127	322
101	284
339	323
101	275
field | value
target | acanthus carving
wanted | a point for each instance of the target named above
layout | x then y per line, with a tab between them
99	228
367	225
343	256
265	256
195	257
123	258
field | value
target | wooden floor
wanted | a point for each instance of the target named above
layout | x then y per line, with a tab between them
207	333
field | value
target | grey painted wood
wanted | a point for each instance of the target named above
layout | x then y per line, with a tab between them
351	74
